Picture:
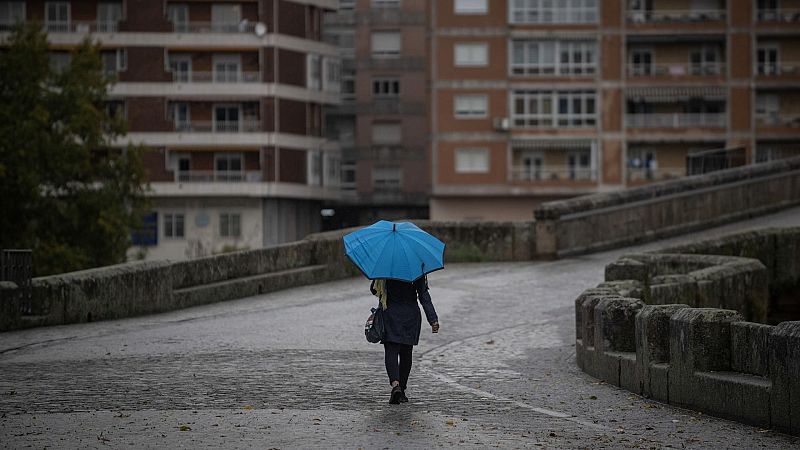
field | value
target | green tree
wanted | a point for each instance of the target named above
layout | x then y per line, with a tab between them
65	190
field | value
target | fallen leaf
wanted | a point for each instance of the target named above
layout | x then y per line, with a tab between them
450	422
185	428
593	397
490	342
247	407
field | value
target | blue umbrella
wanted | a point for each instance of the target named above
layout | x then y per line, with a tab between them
397	250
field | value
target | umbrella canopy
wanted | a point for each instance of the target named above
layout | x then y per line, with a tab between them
397	250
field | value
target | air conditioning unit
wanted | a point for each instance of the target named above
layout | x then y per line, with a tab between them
500	123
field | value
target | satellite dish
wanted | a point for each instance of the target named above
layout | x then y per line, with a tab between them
260	29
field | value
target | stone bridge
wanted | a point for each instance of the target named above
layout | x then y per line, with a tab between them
291	369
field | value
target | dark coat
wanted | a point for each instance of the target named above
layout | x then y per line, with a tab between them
402	318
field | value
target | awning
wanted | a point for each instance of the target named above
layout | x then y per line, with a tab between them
676	93
550	144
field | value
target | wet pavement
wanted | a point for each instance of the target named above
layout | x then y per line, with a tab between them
292	370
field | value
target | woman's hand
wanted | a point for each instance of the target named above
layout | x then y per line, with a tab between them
435	327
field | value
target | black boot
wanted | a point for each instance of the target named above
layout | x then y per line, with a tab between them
396	394
403	398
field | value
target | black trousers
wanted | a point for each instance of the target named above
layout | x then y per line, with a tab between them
398	371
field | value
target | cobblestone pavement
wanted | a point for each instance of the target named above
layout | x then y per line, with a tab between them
246	374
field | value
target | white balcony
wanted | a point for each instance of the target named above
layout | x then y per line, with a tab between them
219	126
216	176
676	120
779	15
778	68
103	26
676	16
216	77
675	69
244	26
552	173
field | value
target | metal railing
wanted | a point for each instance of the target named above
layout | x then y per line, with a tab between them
244	26
552	173
778	68
82	26
778	120
778	15
675	120
675	69
219	126
217	176
17	266
676	16
655	174
216	77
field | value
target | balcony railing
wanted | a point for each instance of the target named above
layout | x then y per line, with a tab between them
778	68
552	173
675	70
216	77
778	120
103	26
219	126
217	176
244	26
675	120
676	16
655	174
779	15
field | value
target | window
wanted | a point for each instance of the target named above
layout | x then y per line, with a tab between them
314	168
538	109
56	16
704	60
179	114
471	55
179	16
579	165
59	61
230	225
225	17
108	16
115	108
386	133
114	60
767	109
226	118
470	106
314	74
11	13
767	59
348	176
386	44
546	58
348	91
552	11
181	67
228	167
386	178
333	75
385	87
641	62
472	160
385	4
227	68
173	225
333	170
471	6
347	4
767	9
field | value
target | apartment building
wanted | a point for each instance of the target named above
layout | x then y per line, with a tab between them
229	97
382	124
534	100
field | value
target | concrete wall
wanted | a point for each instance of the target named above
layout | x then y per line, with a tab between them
601	221
639	330
149	287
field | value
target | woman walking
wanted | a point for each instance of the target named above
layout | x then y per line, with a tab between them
403	322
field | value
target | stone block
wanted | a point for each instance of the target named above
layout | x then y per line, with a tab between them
787	257
628	374
784	372
10	312
699	340
615	323
672	289
732	395
652	344
750	348
626	288
627	269
658	382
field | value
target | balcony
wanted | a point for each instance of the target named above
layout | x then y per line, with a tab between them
552	173
778	15
676	16
219	126
244	26
213	176
778	120
645	174
777	69
103	26
676	120
676	70
216	77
